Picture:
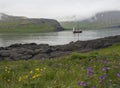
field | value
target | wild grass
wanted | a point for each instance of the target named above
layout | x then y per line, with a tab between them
88	25
98	69
28	29
17	27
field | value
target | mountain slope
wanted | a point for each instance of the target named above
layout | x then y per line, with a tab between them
10	23
108	19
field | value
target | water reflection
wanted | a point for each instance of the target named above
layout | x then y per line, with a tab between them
55	38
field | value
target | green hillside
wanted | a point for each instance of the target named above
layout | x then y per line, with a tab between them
21	24
98	69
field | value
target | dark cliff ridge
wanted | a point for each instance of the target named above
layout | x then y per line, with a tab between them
45	51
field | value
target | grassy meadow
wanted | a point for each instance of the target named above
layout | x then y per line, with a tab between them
88	25
27	26
31	28
96	69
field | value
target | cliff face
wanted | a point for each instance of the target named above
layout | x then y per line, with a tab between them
20	23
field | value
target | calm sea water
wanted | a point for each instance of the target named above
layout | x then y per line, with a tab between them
54	38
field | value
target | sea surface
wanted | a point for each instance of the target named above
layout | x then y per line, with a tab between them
55	38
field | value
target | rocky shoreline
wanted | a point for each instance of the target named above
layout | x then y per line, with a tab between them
45	51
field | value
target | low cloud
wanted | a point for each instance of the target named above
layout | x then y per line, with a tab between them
57	8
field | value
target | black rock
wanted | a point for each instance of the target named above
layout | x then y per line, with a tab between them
45	51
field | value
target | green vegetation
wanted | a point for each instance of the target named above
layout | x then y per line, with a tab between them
29	29
88	25
16	27
15	24
97	69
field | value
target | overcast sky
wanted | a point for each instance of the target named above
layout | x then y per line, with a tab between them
60	9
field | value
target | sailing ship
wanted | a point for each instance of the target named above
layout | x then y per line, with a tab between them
76	30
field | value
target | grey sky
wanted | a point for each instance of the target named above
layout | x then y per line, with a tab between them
57	8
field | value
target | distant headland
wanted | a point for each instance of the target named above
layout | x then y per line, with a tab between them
20	24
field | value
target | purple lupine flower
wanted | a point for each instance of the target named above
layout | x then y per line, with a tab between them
84	83
94	87
102	77
105	69
105	61
90	71
79	83
118	74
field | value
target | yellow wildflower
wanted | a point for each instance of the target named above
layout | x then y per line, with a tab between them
8	71
31	72
37	69
44	68
41	69
8	80
6	67
33	76
26	76
20	78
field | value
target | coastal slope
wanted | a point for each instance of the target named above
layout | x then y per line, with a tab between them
22	24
